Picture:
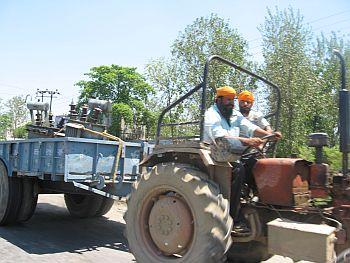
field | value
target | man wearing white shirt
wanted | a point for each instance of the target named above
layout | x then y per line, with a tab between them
222	128
245	101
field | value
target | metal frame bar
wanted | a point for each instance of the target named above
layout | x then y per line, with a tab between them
203	85
229	63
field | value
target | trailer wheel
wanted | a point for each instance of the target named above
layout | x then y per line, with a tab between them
176	215
83	206
10	196
106	205
29	200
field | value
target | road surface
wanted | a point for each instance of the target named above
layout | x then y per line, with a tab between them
53	236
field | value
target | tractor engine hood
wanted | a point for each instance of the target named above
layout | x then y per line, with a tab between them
282	181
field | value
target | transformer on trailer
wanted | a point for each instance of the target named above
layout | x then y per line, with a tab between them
77	157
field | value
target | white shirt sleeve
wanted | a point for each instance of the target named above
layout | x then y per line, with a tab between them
246	126
264	122
212	127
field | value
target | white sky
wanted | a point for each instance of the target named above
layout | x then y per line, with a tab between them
51	44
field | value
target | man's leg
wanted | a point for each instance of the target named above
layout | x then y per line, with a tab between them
239	174
236	189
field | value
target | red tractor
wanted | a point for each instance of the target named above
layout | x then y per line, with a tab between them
179	209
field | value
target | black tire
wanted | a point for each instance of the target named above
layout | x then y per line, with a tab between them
29	200
10	196
83	206
106	205
212	224
249	252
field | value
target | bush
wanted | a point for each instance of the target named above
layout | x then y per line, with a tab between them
332	156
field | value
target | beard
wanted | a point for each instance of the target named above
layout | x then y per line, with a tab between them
244	110
226	110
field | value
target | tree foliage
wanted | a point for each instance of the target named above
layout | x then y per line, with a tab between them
17	112
173	77
127	90
307	73
208	36
327	70
21	132
5	124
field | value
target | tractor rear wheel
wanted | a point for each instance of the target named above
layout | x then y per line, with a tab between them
175	214
10	196
83	206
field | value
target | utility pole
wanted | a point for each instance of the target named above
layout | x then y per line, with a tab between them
48	94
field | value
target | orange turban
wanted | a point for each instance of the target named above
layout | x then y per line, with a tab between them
225	91
246	96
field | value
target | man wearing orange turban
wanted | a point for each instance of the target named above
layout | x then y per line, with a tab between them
222	128
245	102
222	120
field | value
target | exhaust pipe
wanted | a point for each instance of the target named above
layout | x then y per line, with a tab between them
344	116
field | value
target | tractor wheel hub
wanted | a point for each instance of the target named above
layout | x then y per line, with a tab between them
171	224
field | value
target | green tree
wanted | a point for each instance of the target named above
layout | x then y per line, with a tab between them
204	37
127	90
327	70
5	124
286	49
20	132
17	111
184	69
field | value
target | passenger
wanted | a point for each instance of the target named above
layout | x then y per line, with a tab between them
222	128
245	102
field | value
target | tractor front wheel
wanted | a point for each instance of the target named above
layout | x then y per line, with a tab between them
175	214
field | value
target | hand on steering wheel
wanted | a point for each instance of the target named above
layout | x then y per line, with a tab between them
261	151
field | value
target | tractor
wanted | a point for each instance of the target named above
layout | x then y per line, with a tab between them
179	209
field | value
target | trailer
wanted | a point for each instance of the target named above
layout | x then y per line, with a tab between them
78	158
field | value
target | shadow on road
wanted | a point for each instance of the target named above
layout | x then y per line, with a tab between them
53	230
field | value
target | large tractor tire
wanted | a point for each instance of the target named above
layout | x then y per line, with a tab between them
175	214
10	196
29	200
83	206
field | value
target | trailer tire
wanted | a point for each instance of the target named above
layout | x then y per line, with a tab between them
29	200
106	205
176	203
10	196
83	206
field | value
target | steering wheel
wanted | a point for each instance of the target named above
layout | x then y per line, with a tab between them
251	151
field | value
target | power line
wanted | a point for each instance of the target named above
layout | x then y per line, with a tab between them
325	17
338	22
11	86
313	21
329	33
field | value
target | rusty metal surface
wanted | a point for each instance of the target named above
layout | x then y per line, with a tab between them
341	211
223	177
170	225
318	180
319	174
279	179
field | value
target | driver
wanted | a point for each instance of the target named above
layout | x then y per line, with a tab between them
222	126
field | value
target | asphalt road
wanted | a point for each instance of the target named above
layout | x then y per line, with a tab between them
52	235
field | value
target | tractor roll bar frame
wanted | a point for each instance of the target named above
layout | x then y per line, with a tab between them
203	85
